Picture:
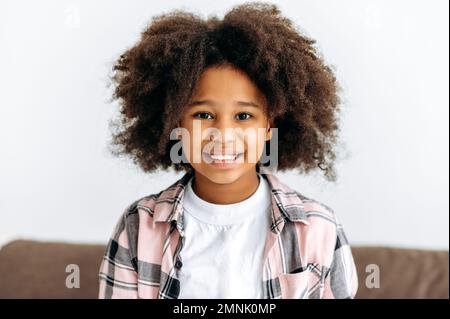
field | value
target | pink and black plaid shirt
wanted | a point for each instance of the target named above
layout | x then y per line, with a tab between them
306	253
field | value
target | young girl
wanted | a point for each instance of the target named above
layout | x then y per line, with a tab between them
192	92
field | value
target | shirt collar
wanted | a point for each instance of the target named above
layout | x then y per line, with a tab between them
286	202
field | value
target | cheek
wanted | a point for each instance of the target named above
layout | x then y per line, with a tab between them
185	122
254	145
254	151
192	145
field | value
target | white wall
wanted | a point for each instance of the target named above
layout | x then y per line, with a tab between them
57	181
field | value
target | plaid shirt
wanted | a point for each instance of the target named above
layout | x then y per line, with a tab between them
306	252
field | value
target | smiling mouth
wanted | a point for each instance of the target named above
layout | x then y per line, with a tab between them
223	158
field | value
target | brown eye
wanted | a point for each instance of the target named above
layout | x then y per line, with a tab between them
202	115
243	116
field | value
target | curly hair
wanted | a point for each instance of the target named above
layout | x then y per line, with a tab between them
155	79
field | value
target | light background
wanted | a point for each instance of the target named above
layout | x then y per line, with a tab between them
57	181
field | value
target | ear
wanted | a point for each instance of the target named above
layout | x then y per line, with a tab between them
268	131
178	131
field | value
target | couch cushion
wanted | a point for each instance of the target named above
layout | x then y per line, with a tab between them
32	269
404	273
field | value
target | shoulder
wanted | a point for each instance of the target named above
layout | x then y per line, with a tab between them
144	213
145	204
298	207
137	212
317	211
323	231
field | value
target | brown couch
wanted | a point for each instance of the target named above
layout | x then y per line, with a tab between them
32	269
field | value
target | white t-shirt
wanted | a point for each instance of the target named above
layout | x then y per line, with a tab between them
223	251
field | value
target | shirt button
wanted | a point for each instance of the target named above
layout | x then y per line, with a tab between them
178	264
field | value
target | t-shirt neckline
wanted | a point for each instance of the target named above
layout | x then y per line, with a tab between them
227	214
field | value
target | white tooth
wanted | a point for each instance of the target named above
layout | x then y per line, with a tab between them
223	157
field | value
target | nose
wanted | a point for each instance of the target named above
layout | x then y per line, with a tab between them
225	138
226	129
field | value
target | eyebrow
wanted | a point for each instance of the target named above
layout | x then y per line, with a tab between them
209	102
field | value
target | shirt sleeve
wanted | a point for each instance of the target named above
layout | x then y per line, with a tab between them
117	274
342	278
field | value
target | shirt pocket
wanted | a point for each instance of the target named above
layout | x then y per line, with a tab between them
294	285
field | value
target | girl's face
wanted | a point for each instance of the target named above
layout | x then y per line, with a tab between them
227	125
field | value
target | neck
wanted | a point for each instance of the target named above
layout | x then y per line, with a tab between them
224	194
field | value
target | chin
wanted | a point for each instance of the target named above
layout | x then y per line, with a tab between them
222	176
